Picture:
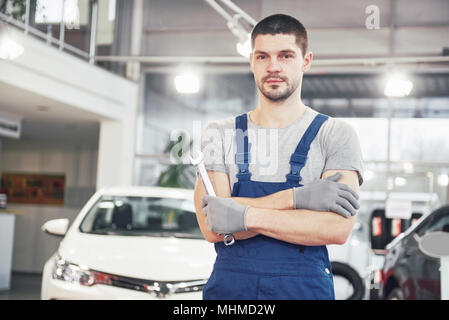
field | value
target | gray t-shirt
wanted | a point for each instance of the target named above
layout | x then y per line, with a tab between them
336	146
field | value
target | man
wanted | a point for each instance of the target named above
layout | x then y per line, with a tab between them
281	219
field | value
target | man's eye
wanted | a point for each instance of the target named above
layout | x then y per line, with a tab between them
260	57
288	56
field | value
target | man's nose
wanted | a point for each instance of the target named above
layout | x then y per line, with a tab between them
274	65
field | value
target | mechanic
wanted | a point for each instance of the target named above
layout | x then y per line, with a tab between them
282	218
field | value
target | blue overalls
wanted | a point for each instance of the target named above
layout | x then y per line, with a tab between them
262	267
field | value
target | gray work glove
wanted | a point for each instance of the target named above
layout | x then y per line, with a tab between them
224	215
327	195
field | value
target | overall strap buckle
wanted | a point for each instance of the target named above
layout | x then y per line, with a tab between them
243	155
297	162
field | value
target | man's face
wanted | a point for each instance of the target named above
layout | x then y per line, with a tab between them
278	65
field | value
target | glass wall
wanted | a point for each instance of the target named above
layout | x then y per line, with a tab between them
419	155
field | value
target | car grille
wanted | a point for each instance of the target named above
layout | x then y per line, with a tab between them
159	289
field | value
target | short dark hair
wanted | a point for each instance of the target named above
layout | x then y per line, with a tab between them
282	24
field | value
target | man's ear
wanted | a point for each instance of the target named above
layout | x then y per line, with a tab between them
307	61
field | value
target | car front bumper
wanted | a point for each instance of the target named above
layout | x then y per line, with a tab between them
62	290
54	289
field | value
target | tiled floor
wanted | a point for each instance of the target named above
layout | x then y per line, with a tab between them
24	286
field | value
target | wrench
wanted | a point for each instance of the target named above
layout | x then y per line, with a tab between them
199	162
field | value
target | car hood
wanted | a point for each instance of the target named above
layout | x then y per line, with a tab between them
141	257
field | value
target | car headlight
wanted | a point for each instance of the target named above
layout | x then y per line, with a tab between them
73	273
65	271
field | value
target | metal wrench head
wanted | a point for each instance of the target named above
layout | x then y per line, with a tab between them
197	160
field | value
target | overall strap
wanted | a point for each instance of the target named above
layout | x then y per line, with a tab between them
299	157
242	156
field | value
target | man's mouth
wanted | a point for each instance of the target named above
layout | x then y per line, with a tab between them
273	81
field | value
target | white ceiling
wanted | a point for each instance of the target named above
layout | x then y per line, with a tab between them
59	121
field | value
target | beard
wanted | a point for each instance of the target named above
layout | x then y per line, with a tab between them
274	92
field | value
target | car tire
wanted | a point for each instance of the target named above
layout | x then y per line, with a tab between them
345	271
396	294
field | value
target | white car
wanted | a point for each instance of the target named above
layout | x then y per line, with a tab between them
130	243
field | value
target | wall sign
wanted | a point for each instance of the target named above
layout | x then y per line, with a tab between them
34	188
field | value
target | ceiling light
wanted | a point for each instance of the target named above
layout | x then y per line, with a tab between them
399	181
397	86
9	49
443	180
187	83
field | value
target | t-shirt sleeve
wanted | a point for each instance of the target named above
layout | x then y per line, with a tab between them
342	149
212	148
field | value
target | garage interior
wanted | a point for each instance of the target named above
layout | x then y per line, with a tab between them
90	98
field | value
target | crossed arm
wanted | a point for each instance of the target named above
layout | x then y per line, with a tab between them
274	216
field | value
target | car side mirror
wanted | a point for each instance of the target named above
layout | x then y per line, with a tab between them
434	244
56	227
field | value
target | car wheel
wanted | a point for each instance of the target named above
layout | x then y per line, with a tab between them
348	278
396	294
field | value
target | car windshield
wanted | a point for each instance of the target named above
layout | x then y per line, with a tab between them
142	216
